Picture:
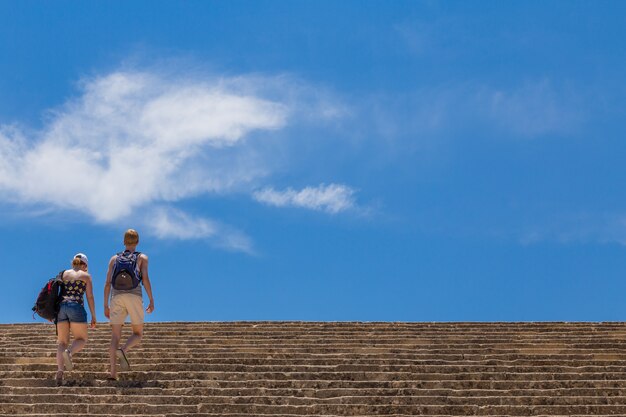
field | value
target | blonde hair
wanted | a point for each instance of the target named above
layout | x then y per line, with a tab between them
77	263
131	237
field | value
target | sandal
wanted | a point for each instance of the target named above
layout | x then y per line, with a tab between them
59	378
67	360
124	365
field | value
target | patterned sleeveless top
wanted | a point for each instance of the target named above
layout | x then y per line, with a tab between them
73	291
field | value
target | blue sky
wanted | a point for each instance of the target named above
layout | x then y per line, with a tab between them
413	161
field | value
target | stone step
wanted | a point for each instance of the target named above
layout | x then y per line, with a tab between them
127	381
329	350
313	392
535	354
286	415
32	362
39	363
86	415
369	357
293	334
294	337
426	400
290	415
365	325
315	409
307	331
140	356
268	338
418	347
318	369
339	328
149	341
326	369
287	330
341	376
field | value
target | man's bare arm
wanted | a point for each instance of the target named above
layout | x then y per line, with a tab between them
145	279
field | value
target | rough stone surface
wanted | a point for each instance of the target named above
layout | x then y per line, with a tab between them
327	369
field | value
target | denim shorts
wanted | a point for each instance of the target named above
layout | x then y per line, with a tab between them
72	312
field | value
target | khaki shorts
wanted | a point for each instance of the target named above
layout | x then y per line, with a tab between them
123	305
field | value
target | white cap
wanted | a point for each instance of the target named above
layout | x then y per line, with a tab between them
82	257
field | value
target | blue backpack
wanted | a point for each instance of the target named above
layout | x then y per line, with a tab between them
126	276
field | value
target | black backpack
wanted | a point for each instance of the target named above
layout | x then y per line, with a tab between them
126	276
49	298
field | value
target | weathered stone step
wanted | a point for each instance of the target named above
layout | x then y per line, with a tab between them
511	357
290	331
88	415
346	328
289	415
38	363
313	392
524	324
365	325
286	330
373	350
357	338
139	356
101	409
317	409
312	361
339	375
420	347
127	382
416	343
317	369
580	339
579	343
426	400
296	368
110	389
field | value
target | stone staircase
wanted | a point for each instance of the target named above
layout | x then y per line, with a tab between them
329	369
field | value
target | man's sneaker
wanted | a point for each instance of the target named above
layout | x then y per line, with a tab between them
124	365
67	360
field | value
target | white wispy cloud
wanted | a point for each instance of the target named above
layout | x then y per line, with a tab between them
580	228
132	139
332	198
169	222
133	143
531	109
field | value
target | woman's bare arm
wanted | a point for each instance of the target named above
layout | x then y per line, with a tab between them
90	300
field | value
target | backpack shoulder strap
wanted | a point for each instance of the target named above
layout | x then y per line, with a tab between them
136	256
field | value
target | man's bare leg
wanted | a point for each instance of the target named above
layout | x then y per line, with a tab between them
116	335
135	338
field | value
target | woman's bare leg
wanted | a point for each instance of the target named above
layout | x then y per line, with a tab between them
79	331
63	337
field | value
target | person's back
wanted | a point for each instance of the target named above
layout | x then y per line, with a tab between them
126	300
72	317
74	286
122	280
